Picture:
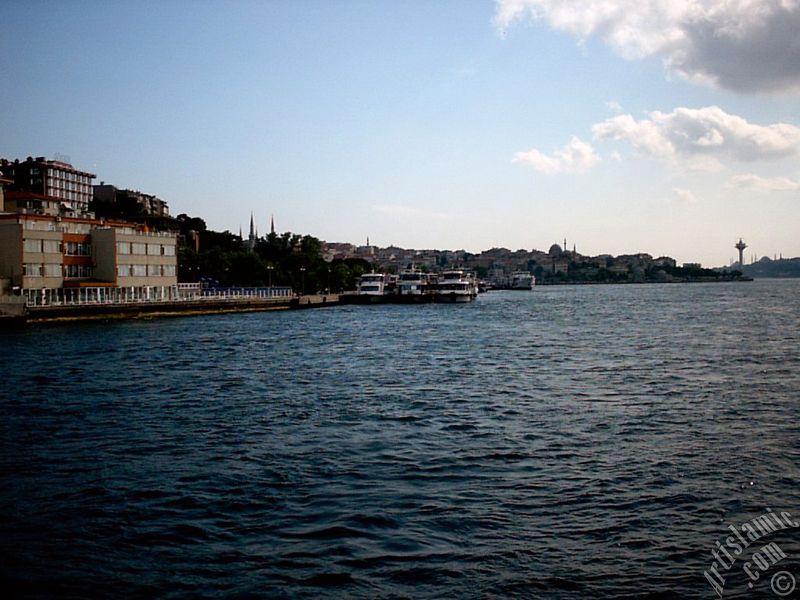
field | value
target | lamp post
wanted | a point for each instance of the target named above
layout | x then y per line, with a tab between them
269	274
302	281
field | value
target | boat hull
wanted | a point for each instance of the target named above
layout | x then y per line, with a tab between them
368	299
452	297
411	298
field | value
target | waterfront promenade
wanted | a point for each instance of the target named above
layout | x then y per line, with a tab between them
83	304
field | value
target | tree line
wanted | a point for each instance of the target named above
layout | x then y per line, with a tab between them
280	260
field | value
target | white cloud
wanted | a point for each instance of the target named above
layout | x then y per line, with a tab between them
577	156
685	196
614	106
616	156
740	45
699	138
765	184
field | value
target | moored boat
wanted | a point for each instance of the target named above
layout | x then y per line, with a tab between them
371	287
412	286
522	280
456	286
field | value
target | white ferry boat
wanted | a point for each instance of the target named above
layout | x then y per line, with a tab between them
456	286
371	284
412	286
522	280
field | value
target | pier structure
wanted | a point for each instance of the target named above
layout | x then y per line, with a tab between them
60	304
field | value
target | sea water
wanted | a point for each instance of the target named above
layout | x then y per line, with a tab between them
564	442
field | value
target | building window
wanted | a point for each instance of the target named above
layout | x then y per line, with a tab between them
138	270
33	245
33	270
168	250
123	270
51	246
123	248
78	249
168	270
78	271
52	270
137	248
154	270
154	249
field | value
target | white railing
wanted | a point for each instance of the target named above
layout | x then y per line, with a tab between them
274	292
135	295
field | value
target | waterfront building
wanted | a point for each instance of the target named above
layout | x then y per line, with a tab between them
69	187
664	261
45	251
618	269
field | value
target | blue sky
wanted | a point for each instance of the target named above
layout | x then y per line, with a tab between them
429	124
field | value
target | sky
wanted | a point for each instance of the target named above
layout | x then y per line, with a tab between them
666	127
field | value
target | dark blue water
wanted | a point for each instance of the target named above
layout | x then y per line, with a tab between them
569	442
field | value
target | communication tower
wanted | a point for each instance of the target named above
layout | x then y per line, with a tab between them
740	246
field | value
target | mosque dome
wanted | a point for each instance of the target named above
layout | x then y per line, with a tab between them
555	250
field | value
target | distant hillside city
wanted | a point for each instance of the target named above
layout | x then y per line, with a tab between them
53	195
767	267
557	265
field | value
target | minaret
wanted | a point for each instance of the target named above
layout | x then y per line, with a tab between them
272	224
740	246
251	240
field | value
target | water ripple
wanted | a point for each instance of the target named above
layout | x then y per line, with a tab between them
571	442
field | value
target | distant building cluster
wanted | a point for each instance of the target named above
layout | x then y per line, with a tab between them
147	204
51	238
498	265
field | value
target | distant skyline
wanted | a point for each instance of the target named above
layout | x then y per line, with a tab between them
661	127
